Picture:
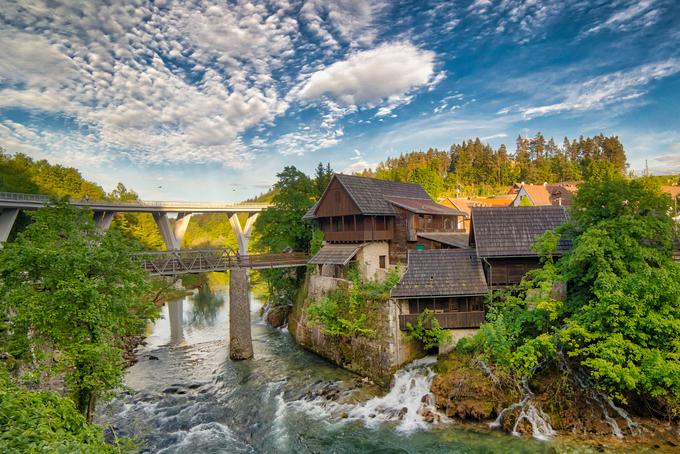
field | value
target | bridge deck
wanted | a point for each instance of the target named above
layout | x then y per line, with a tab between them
168	263
35	201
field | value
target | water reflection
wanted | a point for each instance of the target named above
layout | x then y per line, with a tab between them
206	305
176	316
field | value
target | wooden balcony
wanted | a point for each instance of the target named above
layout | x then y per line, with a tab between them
447	320
359	235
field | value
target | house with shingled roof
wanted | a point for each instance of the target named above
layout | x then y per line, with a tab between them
503	239
449	282
381	220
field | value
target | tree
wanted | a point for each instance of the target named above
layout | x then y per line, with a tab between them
67	287
620	322
280	227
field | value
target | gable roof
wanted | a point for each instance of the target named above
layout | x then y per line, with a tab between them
441	272
512	231
538	194
371	195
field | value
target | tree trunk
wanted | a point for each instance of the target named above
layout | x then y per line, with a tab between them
85	402
240	342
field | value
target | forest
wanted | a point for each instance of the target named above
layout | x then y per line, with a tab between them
473	168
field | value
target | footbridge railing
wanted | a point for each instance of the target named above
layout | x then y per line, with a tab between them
166	263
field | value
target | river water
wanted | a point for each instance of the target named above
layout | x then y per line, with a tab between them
186	396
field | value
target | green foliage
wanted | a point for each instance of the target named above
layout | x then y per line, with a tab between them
280	227
68	287
620	322
427	330
348	311
43	421
473	168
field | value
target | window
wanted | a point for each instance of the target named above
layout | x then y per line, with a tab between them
382	259
338	224
461	222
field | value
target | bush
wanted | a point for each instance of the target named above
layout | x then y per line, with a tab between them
348	311
43	421
427	330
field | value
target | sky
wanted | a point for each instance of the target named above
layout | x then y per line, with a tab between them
206	101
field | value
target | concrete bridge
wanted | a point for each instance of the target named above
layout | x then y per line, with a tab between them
104	210
173	261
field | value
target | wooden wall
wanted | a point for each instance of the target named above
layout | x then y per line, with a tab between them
509	271
336	202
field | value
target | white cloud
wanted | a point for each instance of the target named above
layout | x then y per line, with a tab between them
600	91
392	69
359	163
178	83
500	135
342	21
637	14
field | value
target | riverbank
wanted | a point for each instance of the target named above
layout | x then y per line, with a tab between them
185	395
551	406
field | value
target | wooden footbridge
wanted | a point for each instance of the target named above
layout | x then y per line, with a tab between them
170	263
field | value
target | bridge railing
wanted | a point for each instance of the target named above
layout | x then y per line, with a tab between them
21	197
206	260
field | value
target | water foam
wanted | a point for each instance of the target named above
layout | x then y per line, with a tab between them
409	403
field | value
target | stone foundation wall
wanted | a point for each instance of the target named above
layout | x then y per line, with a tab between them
376	357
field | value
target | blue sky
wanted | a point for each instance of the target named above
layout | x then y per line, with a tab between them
203	100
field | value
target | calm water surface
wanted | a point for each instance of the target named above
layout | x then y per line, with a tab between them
193	399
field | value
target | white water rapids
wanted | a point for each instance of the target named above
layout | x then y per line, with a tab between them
409	404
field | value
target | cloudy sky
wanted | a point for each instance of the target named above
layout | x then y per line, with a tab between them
207	100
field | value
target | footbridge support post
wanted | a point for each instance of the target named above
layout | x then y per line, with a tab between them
7	218
240	339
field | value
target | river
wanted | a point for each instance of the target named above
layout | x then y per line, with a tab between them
186	396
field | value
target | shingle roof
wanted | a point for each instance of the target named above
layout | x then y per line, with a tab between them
442	272
310	213
455	239
335	254
423	206
369	193
511	231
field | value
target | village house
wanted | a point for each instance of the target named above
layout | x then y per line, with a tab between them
545	194
465	205
503	239
374	223
449	282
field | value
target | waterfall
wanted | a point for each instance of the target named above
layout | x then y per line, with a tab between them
539	421
409	403
603	401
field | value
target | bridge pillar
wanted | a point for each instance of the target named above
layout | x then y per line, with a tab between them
7	218
243	233
240	341
172	237
181	224
103	220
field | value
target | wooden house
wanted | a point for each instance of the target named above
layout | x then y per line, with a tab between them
503	239
450	282
386	218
